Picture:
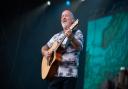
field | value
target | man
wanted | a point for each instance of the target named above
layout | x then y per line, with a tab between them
67	72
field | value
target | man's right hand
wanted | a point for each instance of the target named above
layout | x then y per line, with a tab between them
47	54
45	51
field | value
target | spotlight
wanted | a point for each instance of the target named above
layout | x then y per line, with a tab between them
82	0
68	3
48	3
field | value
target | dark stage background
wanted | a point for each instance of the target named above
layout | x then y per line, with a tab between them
26	25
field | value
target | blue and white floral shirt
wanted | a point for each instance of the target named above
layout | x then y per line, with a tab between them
70	58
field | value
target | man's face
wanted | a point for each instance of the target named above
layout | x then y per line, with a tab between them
66	19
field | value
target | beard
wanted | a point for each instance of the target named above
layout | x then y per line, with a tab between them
64	25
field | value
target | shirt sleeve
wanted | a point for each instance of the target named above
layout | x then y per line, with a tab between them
79	36
51	41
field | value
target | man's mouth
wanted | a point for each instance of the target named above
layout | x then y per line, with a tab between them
64	20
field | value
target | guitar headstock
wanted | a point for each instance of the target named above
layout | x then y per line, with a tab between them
74	24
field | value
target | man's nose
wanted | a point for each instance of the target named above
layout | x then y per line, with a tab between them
64	18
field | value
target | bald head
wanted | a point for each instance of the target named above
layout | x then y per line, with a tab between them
67	18
69	13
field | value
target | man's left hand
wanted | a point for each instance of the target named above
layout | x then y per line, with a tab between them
68	33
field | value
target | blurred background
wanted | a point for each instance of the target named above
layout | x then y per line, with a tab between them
26	25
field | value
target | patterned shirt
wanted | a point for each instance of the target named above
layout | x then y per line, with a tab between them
70	58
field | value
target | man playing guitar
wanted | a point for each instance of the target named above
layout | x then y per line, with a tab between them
67	72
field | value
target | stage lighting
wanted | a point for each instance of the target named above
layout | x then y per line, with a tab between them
48	3
82	0
68	3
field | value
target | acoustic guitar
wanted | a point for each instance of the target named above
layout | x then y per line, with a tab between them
50	65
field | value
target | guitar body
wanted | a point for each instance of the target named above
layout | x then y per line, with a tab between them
50	66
